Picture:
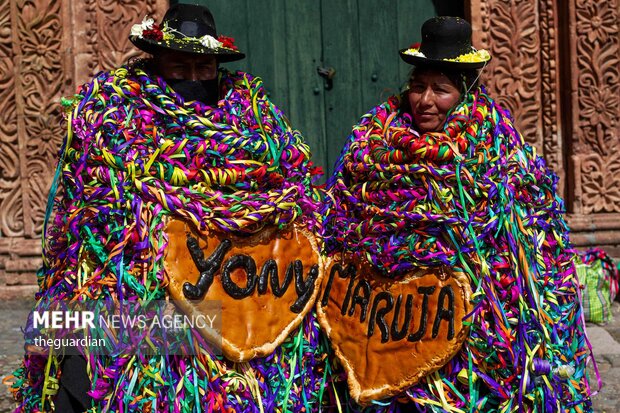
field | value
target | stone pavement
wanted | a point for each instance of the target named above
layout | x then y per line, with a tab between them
605	342
11	342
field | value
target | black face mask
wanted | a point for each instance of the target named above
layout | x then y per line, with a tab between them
205	91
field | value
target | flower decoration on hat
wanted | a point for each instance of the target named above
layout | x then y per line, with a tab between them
185	28
210	42
146	29
475	56
227	42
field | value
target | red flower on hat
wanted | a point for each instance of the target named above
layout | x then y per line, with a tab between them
154	34
227	42
415	45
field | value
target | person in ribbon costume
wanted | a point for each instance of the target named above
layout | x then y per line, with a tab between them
173	136
440	177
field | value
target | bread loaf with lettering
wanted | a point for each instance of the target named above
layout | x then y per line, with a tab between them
266	283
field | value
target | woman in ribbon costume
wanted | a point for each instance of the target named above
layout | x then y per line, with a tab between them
171	137
439	177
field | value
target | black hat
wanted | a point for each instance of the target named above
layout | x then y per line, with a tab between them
446	43
186	28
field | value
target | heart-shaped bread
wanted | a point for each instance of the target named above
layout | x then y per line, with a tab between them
388	334
266	283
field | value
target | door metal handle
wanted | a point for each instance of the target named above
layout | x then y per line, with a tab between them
328	74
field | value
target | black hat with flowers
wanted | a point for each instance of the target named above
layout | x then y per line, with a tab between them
185	28
446	43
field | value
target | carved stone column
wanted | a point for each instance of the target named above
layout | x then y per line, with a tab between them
523	73
595	121
47	48
557	69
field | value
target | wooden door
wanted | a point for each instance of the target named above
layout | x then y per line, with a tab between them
285	42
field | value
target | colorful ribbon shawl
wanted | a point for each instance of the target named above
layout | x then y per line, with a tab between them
134	154
476	198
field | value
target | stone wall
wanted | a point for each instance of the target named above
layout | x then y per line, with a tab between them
556	65
47	49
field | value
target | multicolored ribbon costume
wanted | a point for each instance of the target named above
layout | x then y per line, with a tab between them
476	198
135	153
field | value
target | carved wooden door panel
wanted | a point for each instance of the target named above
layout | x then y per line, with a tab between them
556	66
47	48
